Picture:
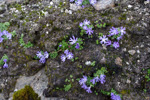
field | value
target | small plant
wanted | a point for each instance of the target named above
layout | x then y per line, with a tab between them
86	28
99	23
70	81
113	94
148	75
87	82
115	35
53	54
21	41
42	56
4	61
84	2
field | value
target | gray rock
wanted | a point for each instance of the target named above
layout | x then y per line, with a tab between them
131	52
75	7
148	49
2	97
103	4
38	82
118	61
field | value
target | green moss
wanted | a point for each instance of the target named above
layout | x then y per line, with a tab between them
26	93
60	4
125	92
123	17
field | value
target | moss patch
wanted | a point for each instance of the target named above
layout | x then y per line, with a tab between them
26	93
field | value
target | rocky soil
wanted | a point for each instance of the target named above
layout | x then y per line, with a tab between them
45	23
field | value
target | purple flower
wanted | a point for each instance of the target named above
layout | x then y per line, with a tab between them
97	79
73	40
66	52
63	58
69	55
9	35
1	34
83	6
122	30
5	65
1	39
92	2
71	0
86	22
42	60
78	2
5	60
39	54
89	31
84	86
88	90
119	38
103	39
108	43
60	45
83	80
115	45
5	32
77	46
115	97
93	81
102	78
81	24
113	31
85	27
46	54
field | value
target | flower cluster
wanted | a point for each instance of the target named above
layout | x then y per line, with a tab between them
67	55
83	2
73	40
82	82
5	34
98	79
115	34
115	97
5	65
42	56
85	25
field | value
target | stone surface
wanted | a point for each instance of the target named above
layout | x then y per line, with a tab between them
1	97
118	61
103	4
75	7
38	82
131	52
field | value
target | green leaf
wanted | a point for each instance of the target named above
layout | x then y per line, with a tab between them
4	57
13	33
53	55
71	76
97	41
67	87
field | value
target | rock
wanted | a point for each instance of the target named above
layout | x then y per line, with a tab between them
33	67
12	1
75	7
50	45
130	6
2	97
118	61
38	82
88	63
103	4
131	52
148	49
103	60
